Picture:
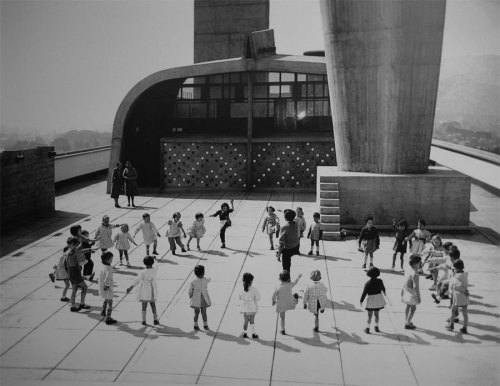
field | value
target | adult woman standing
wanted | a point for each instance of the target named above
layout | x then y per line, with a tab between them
130	175
116	183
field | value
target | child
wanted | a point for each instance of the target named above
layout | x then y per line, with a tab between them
315	297
410	293
149	233
87	244
283	297
368	241
174	232
198	293
400	244
459	295
106	286
436	251
147	291
418	238
315	233
104	233
301	221
289	240
375	301
197	230
121	240
445	270
74	260
271	224
60	272
249	298
225	221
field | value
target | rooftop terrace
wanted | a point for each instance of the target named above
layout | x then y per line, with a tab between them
43	343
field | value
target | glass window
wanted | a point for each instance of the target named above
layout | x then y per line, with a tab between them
315	78
301	109
234	77
310	109
310	91
260	109
212	109
259	91
198	110
318	108
215	92
191	80
261	77
286	91
287	77
290	109
301	77
182	110
215	78
274	77
274	91
239	110
319	90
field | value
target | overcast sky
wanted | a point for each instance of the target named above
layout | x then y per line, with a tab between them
67	64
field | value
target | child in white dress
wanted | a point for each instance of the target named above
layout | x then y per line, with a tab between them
271	225
147	291
197	230
175	232
315	297
106	287
459	295
418	238
315	233
283	298
104	233
121	240
301	221
149	233
249	307
200	299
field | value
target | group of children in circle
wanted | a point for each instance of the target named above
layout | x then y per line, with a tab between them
444	263
445	268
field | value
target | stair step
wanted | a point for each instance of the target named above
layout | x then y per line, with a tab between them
331	236
329	194
330	227
328	180
331	186
329	211
330	218
329	202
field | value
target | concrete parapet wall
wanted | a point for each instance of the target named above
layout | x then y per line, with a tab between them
27	183
441	197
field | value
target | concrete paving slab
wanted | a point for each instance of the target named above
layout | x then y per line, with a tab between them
146	378
29	313
11	336
205	380
95	377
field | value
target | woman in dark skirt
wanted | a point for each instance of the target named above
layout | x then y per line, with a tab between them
116	183
130	177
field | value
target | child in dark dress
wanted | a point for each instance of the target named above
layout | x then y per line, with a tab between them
368	241
375	301
225	222
400	245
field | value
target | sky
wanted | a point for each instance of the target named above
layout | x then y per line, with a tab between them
67	64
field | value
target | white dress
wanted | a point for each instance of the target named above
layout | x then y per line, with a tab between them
198	229
122	241
147	290
249	301
149	232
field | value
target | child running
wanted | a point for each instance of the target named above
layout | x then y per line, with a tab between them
147	291
271	225
104	233
197	230
369	240
106	287
400	245
121	241
249	307
289	240
225	221
175	231
410	293
315	233
149	233
283	298
200	300
375	301
315	297
459	295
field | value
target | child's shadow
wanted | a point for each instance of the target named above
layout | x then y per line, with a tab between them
126	273
330	258
137	332
174	331
342	306
228	338
135	268
193	257
316	341
246	252
278	345
390	271
215	253
166	261
346	337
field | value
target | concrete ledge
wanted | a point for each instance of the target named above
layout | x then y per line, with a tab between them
441	197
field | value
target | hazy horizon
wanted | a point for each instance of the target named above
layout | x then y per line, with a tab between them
67	65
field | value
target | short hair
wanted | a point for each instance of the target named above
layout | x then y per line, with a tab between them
199	271
176	214
124	226
448	245
285	276
458	264
85	232
373	272
247	280
74	229
198	215
148	261
106	256
316	215
224	204
403	223
289	215
454	253
105	216
272	208
368	219
421	221
315	275
145	215
414	259
72	240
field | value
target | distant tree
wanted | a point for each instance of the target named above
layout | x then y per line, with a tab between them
61	144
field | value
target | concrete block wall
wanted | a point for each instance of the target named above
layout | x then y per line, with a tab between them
27	184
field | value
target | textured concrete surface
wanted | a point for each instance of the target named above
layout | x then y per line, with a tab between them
43	343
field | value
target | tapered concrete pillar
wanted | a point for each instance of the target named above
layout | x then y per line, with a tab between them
383	60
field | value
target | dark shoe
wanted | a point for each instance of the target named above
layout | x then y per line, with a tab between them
74	309
410	326
317	253
103	313
449	327
454	320
128	265
52	277
283	332
463	330
371	265
196	328
110	321
134	205
436	300
363	266
84	307
65	299
206	327
173	253
128	204
188	248
156	322
310	253
255	336
183	250
117	206
367	330
223	245
432	288
377	329
428	277
91	278
244	335
199	249
144	323
154	252
272	248
316	329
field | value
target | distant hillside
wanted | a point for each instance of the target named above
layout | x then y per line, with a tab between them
469	93
81	139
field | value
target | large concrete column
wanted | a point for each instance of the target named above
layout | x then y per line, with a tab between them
383	60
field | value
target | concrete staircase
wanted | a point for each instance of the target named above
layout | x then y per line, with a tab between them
329	208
